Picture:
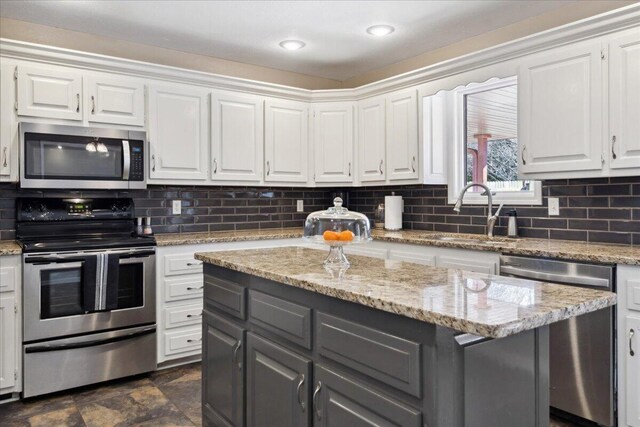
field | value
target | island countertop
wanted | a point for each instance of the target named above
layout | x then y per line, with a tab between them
476	303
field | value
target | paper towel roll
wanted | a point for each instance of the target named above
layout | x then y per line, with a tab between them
393	207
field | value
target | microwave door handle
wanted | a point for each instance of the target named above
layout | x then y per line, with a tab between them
126	160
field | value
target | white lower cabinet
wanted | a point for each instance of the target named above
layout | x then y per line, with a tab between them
10	324
628	309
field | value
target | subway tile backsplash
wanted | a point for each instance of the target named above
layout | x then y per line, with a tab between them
594	210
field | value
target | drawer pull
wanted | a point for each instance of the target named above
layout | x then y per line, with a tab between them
631	334
315	400
235	355
191	264
198	340
194	289
299	392
194	315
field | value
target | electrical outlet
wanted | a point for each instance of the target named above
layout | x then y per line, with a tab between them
554	206
177	207
300	206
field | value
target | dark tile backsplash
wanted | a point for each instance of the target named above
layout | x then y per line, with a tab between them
594	210
203	208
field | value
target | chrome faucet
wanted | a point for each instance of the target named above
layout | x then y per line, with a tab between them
491	219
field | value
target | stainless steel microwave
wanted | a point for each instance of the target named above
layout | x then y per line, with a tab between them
54	156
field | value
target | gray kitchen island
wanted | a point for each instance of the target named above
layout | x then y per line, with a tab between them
386	343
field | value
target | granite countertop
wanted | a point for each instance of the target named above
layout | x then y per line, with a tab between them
564	249
9	247
475	303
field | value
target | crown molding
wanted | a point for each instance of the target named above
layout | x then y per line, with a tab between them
599	25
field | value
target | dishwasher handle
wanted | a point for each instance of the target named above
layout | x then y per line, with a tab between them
593	282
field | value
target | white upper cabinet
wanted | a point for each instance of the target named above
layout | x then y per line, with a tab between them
49	92
333	142
178	132
624	101
115	100
286	141
371	140
560	110
8	126
237	134
433	136
402	135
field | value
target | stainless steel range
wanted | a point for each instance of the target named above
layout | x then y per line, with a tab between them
89	293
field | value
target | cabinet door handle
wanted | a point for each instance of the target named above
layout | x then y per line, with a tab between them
194	289
235	354
524	162
299	392
215	166
349	168
93	104
153	163
631	334
315	400
613	147
413	164
268	168
4	156
77	102
191	264
381	173
198	340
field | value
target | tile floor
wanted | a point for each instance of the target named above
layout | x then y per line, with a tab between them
165	398
168	397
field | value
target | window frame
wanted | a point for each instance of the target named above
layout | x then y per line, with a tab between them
457	167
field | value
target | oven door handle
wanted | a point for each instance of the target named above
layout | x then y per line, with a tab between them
89	343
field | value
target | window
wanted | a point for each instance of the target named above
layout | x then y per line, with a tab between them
486	144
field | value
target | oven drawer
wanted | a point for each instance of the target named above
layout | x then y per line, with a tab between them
184	315
184	263
183	341
180	288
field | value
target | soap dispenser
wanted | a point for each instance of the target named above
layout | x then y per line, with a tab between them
512	226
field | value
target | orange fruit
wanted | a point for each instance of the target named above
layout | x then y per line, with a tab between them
331	235
345	236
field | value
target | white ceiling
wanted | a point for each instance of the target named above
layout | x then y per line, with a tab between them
493	112
249	31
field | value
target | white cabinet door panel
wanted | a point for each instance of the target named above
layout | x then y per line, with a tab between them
402	135
560	110
237	134
434	137
7	341
371	140
624	101
49	92
115	100
286	141
333	142
178	133
631	345
8	126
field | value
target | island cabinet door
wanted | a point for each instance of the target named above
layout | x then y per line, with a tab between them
632	350
338	401
222	372
277	385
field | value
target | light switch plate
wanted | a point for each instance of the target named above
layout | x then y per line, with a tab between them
554	206
300	206
177	207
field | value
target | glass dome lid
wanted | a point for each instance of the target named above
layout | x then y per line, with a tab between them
337	225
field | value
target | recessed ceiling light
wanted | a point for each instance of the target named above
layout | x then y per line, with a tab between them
292	44
380	30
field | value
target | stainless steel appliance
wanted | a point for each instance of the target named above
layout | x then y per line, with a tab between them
89	308
582	349
57	157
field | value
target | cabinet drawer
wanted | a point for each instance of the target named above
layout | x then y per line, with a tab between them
633	294
182	341
225	296
181	264
8	279
179	288
384	357
184	315
291	321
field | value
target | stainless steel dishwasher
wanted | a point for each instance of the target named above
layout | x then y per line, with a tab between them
581	349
